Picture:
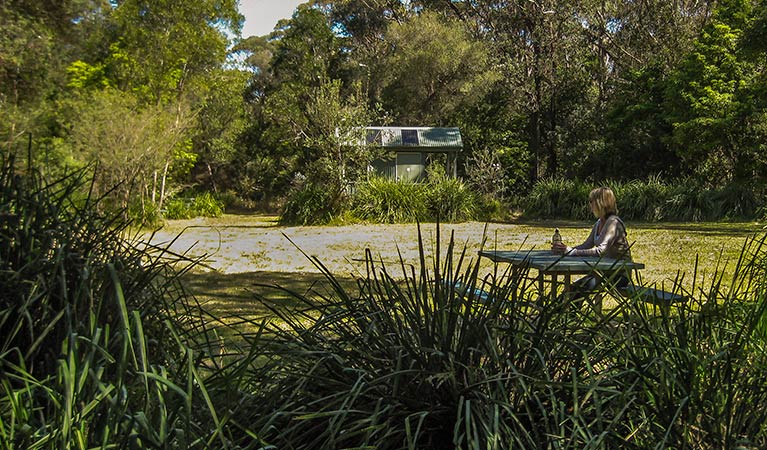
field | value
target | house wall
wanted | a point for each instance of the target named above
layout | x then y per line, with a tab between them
385	168
410	166
397	167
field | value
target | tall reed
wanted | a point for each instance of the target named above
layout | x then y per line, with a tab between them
100	346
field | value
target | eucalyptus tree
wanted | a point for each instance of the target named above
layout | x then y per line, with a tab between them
306	105
637	45
166	58
161	44
255	170
131	143
569	64
364	26
434	69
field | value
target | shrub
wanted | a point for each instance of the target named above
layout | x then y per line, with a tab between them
388	201
642	200
490	209
100	343
558	198
646	200
310	204
442	199
449	200
206	205
201	205
736	201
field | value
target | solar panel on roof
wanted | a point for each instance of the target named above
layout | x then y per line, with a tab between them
410	137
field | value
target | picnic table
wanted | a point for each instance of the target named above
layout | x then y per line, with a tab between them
551	266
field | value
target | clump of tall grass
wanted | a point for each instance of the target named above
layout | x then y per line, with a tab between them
558	198
408	360
310	204
450	200
441	198
653	199
697	375
642	199
383	200
100	345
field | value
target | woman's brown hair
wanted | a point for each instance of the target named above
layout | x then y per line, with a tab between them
603	200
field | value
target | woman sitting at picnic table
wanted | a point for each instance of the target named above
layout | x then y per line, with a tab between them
607	239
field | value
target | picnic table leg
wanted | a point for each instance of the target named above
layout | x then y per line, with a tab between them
597	302
553	286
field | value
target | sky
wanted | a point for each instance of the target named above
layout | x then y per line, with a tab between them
262	15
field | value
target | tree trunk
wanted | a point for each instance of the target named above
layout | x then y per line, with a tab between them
211	178
154	186
162	185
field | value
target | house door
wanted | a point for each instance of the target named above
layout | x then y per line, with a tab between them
409	166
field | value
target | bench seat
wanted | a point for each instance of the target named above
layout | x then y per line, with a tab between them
464	290
652	295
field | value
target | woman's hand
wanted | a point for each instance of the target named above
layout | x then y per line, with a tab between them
559	248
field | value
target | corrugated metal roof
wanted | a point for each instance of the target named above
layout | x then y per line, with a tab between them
414	137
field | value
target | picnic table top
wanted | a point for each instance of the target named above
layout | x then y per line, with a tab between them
548	262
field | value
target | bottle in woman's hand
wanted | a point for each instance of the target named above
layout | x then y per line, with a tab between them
557	245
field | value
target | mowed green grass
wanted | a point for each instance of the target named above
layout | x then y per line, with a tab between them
668	250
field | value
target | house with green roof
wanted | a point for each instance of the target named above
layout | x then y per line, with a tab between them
410	150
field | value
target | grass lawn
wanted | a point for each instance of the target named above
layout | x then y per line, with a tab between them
246	252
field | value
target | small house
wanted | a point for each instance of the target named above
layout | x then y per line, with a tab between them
411	149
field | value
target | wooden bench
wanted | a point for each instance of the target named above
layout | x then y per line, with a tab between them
464	290
651	295
658	297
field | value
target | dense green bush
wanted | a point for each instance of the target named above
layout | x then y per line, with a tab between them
491	209
642	200
645	200
558	198
201	205
441	198
450	200
100	346
311	204
384	200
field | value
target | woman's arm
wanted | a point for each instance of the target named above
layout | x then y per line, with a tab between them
609	234
588	243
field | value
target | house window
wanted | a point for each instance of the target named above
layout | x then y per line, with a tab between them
409	137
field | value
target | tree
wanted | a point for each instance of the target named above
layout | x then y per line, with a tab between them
294	131
220	120
160	44
307	49
133	146
38	39
711	108
434	70
165	58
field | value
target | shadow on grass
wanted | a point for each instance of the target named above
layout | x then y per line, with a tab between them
232	296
